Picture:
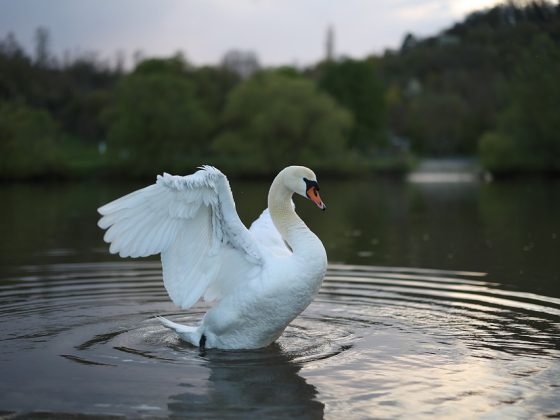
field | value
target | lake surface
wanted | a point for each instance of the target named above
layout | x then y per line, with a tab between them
442	299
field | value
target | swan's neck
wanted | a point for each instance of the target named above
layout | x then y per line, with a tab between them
293	230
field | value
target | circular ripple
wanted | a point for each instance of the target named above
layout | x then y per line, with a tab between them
354	347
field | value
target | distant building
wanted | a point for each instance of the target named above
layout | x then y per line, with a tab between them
244	63
329	44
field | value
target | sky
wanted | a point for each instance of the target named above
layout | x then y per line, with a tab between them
278	31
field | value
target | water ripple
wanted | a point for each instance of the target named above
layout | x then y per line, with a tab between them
375	341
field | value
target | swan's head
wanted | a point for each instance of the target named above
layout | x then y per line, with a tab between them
303	181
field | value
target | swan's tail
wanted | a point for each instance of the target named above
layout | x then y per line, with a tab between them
185	332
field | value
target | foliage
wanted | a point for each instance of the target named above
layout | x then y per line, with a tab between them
466	67
486	85
436	123
28	139
212	86
73	95
273	120
356	85
156	122
498	152
526	136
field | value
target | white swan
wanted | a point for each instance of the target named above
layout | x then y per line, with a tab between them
259	283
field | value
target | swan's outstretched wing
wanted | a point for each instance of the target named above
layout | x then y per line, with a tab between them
205	248
267	235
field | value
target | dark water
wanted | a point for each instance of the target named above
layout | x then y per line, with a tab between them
441	300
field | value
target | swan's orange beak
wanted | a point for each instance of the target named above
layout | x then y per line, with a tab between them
314	196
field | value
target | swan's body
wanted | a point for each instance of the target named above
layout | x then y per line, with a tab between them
259	284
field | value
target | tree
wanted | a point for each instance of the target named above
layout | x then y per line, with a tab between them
526	136
436	123
462	71
212	86
356	85
273	120
27	142
155	122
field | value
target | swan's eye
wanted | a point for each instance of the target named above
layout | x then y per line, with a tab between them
311	188
309	183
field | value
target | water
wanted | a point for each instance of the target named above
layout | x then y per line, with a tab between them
441	300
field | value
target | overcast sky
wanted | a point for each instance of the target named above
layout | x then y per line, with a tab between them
279	31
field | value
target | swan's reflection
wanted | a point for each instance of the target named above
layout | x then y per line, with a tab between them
256	383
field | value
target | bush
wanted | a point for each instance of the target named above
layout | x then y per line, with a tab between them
28	141
155	122
273	120
526	137
498	152
356	85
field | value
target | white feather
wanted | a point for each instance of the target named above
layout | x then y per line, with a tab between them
183	219
267	235
258	282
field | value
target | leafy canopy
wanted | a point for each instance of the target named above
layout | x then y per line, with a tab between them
526	137
273	120
356	85
28	139
156	122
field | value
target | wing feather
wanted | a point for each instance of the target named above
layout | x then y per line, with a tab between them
192	222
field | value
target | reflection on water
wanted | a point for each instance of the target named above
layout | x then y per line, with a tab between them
510	230
479	334
250	384
82	338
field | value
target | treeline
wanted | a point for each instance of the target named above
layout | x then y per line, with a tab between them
84	117
486	86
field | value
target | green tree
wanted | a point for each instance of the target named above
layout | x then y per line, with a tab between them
28	140
273	120
155	122
212	86
469	61
526	136
356	85
436	123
